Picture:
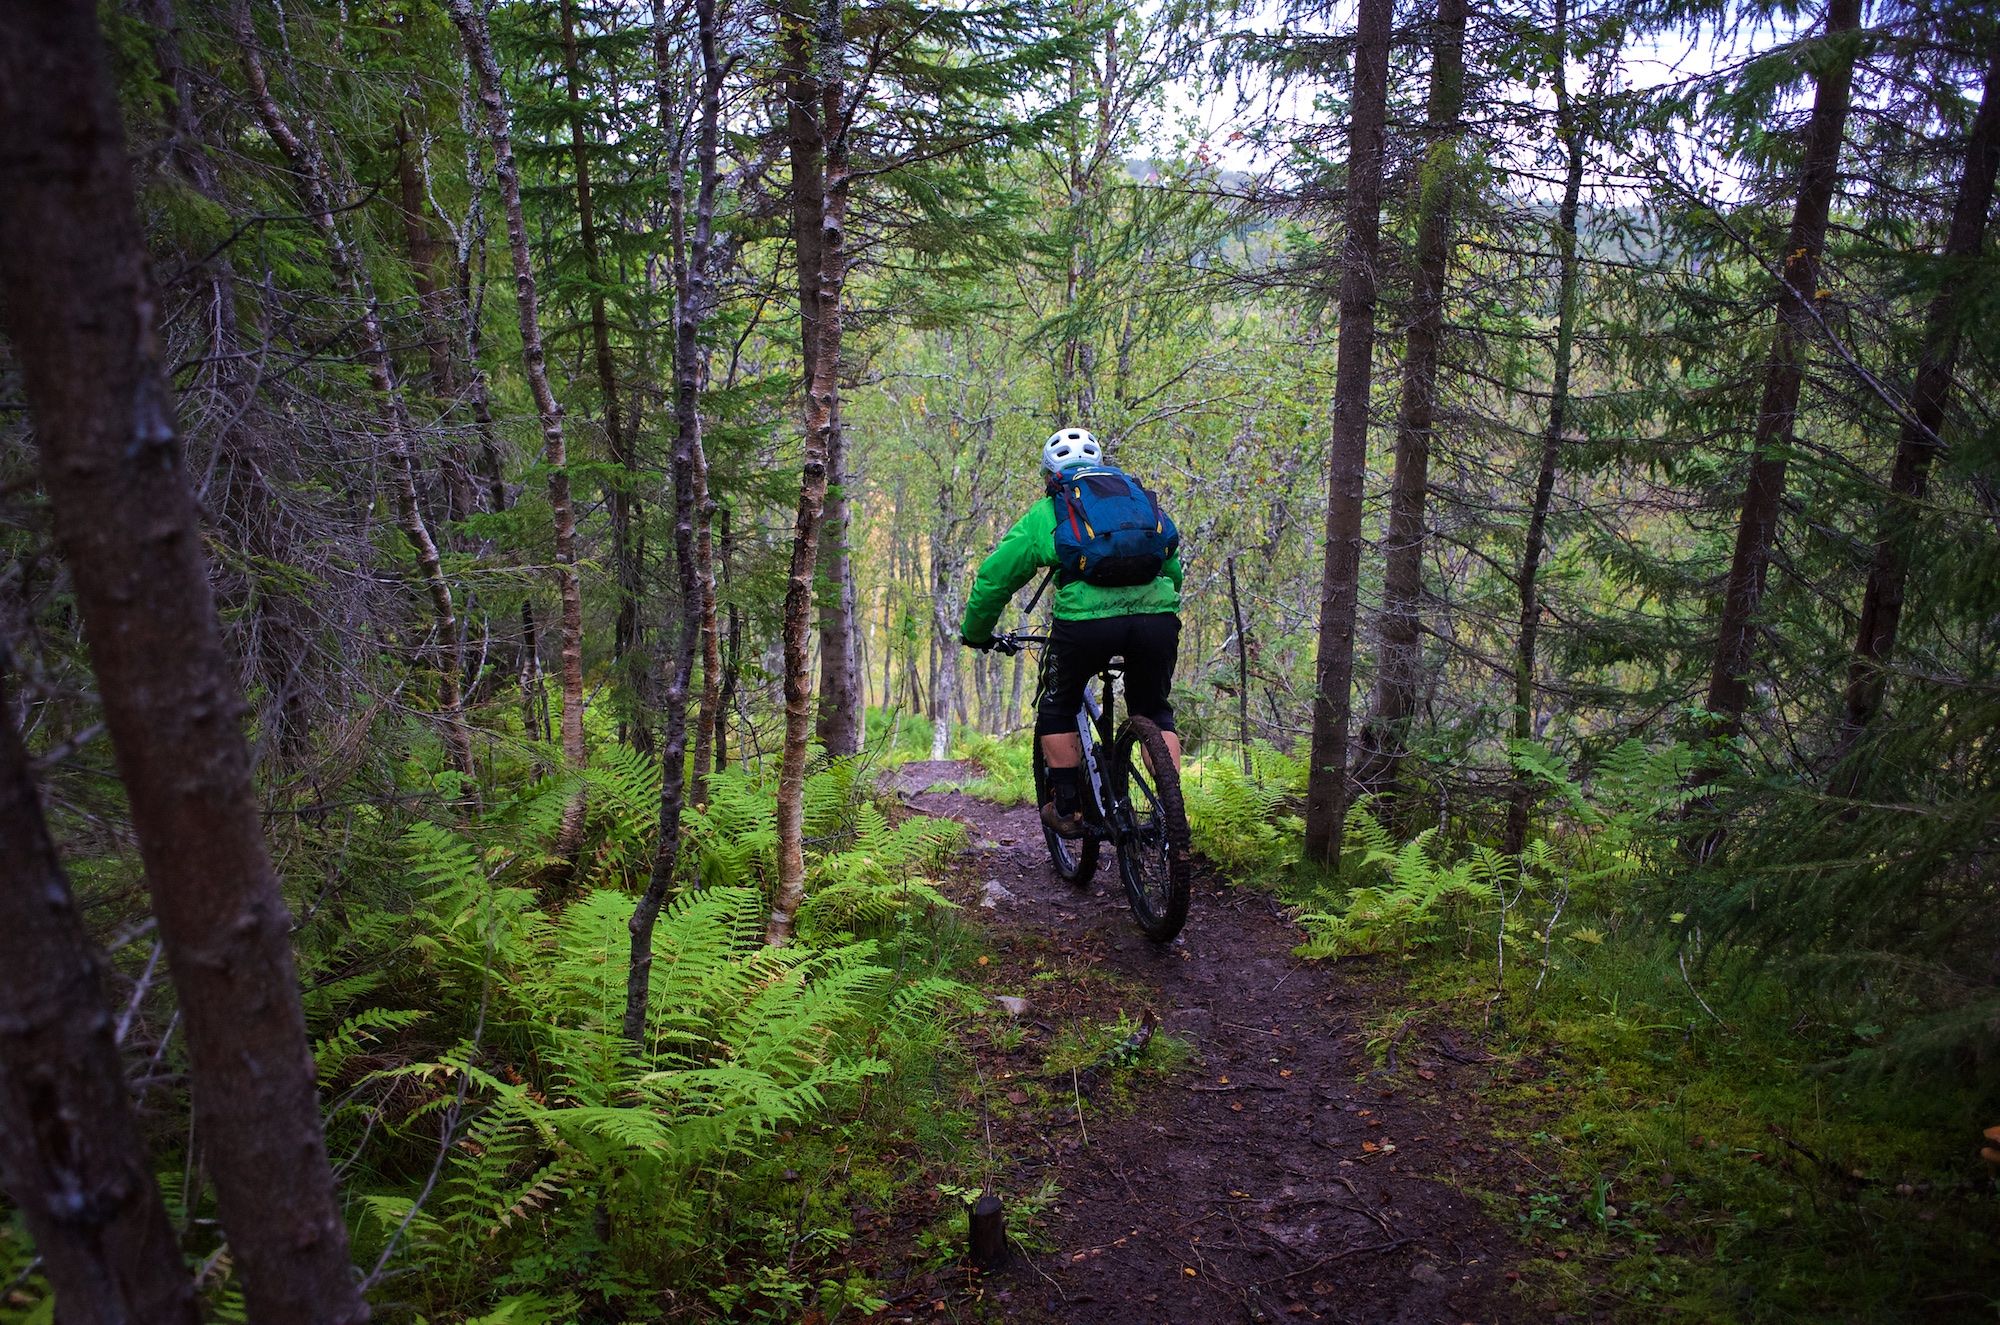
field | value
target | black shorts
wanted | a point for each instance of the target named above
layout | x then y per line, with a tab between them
1149	644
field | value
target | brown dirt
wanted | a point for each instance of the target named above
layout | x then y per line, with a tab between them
1278	1176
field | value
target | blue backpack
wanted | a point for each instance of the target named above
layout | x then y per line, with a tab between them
1110	532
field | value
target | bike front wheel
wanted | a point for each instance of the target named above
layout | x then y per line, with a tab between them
1155	855
1074	860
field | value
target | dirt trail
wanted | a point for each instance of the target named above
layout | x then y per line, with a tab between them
1264	1182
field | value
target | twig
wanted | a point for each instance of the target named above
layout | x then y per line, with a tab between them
1681	955
1337	1256
145	982
1349	1184
1549	934
56	754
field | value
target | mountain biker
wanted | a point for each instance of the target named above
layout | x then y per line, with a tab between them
1093	624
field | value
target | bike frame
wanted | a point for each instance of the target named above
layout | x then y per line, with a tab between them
1093	729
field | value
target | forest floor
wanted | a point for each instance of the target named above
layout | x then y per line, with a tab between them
1266	1168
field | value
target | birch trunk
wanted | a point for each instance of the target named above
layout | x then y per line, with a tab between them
471	24
1784	375
1399	667
1521	795
945	575
316	193
1326	783
828	240
83	317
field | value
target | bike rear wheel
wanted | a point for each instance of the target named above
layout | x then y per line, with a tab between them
1155	856
1074	860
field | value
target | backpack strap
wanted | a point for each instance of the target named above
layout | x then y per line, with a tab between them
1040	589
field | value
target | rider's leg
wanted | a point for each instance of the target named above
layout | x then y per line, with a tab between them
1074	657
1152	648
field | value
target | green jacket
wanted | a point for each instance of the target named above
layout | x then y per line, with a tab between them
1031	545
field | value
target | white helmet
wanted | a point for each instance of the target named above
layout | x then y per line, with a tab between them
1068	447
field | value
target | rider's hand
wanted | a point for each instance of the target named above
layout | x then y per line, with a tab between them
984	646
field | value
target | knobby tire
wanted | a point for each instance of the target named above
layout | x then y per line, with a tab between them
1155	857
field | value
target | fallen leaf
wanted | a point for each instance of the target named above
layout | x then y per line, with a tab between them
1236	1108
1370	1147
1017	1097
1189	1273
1284	1071
1222	1080
1562	1255
982	961
1426	1074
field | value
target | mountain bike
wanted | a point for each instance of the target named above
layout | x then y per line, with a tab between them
1132	801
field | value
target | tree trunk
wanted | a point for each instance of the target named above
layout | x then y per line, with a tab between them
732	659
829	237
471	23
1921	439
1242	670
619	499
1521	796
691	303
432	300
1784	374
316	193
946	695
1014	696
72	1159
1326	783
701	281
83	316
839	726
1399	664
423	261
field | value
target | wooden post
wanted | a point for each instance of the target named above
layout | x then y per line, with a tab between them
1242	671
986	1248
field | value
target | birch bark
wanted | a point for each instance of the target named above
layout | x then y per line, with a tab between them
470	20
824	159
316	194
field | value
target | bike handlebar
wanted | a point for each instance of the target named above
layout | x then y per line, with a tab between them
1011	644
